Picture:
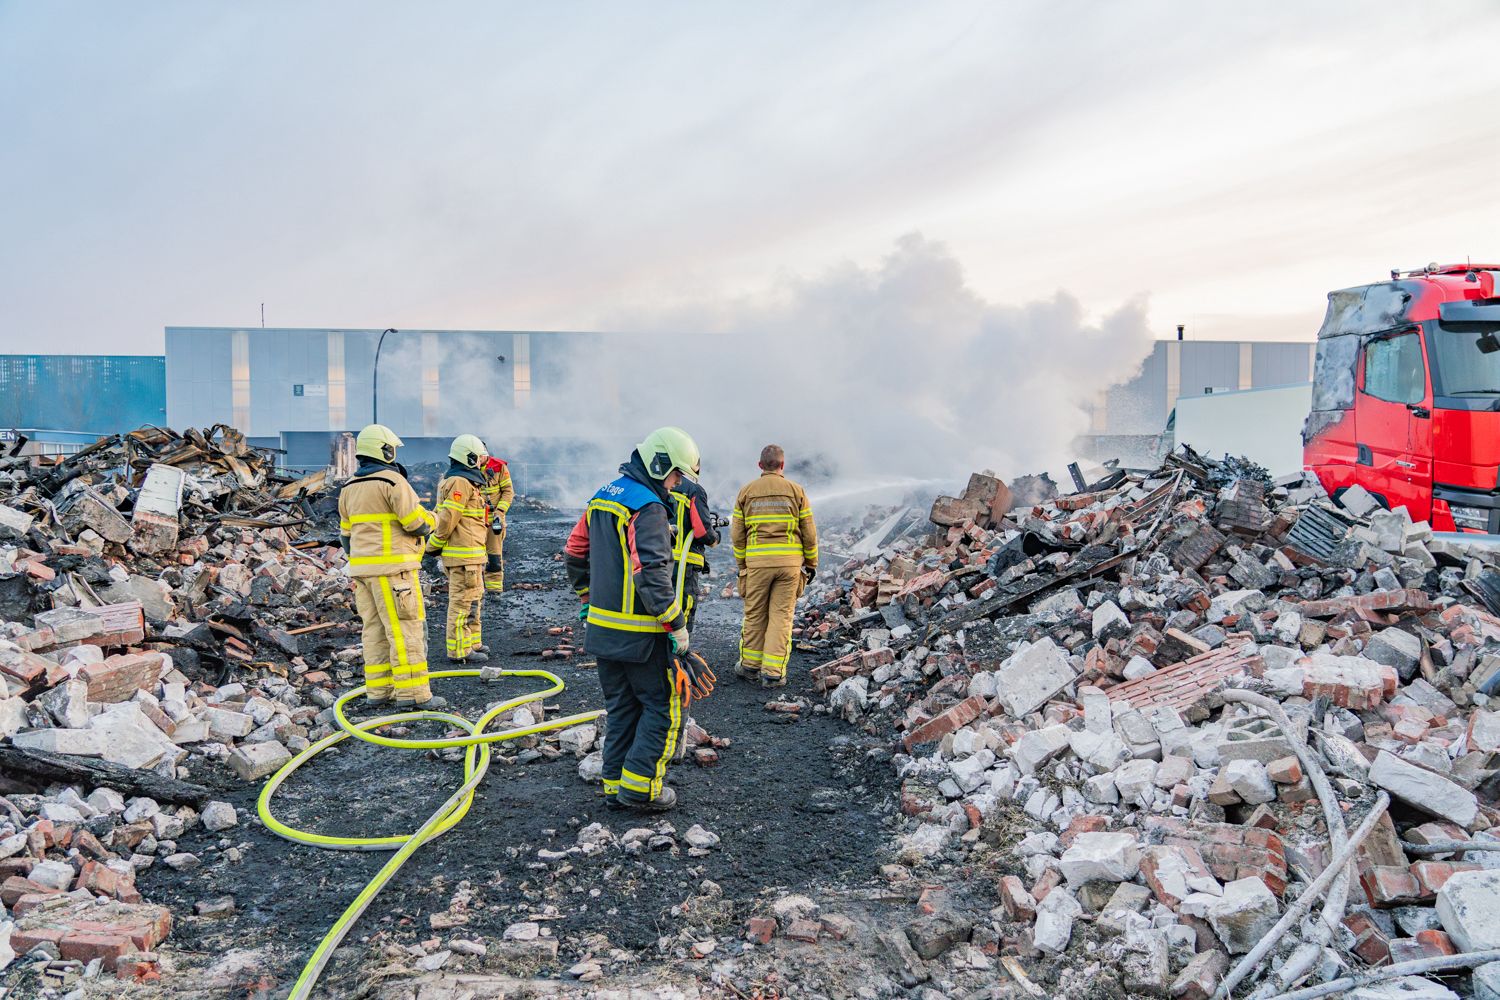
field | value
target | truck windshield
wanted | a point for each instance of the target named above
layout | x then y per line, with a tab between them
1467	359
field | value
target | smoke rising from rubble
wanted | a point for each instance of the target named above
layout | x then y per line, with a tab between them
889	373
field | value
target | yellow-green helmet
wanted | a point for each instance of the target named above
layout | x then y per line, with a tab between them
377	441
668	448
467	450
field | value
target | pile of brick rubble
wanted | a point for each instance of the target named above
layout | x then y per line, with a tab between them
1139	706
168	606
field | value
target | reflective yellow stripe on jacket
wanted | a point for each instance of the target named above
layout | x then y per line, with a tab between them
625	621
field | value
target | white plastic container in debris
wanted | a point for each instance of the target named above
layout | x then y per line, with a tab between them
156	518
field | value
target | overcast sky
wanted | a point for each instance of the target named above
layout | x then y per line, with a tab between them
552	166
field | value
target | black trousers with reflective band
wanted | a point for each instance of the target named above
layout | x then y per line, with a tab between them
644	725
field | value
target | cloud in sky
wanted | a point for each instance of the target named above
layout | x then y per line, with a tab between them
482	165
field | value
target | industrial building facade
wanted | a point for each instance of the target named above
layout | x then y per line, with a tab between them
270	381
295	388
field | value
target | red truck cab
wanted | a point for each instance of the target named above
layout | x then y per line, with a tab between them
1406	395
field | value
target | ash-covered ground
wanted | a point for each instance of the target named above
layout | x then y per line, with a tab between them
800	803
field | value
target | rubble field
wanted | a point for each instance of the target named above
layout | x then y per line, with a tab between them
1133	712
1179	733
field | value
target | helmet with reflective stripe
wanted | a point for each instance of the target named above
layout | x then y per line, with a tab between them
377	441
468	451
668	448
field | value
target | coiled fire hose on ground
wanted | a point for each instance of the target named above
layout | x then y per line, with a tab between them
476	746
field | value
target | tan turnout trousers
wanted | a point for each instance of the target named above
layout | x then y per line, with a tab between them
495	546
395	637
465	594
770	594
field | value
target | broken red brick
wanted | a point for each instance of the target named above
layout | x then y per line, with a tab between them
949	721
803	930
1432	875
1370	944
119	677
86	946
138	967
1386	886
760	929
1051	879
1019	904
13	888
1081	824
1285	771
1436	943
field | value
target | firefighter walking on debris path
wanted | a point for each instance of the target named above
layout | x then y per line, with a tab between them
461	541
382	526
619	561
776	548
498	493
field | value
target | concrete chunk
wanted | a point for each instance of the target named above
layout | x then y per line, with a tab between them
128	738
1244	914
1039	746
1249	780
1468	904
78	742
1432	793
258	760
1358	501
1109	620
1104	857
1395	648
1032	675
1054	921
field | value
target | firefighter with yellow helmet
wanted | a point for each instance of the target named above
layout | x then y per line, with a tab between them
498	494
382	526
460	542
619	561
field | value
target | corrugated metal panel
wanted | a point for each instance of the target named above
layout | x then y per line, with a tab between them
1208	366
96	393
1281	364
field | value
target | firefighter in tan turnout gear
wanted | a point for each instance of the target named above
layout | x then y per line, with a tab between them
776	547
461	541
498	493
382	526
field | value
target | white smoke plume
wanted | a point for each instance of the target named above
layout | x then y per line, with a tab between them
896	372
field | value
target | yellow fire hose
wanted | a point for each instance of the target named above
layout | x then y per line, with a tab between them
476	763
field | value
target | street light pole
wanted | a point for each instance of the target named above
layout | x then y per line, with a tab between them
375	378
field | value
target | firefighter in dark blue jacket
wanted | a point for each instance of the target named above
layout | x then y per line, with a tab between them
619	561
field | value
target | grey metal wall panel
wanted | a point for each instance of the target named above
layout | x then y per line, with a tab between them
1281	364
199	384
1209	365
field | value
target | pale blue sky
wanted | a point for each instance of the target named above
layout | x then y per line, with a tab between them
492	165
